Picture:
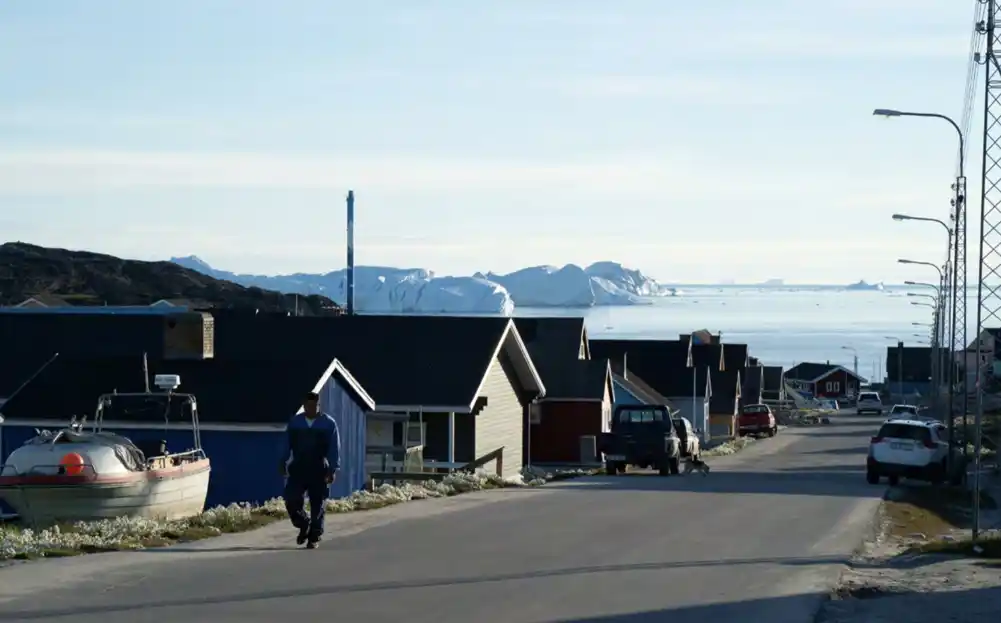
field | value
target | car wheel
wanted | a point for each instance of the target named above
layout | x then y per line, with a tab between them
674	464
872	477
894	480
772	431
611	469
665	468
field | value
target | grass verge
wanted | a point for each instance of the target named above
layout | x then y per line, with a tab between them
133	533
727	448
930	514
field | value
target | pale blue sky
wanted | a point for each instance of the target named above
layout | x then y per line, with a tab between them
697	141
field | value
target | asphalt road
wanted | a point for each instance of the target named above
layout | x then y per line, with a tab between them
758	540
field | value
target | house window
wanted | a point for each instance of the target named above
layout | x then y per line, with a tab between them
832	386
535	413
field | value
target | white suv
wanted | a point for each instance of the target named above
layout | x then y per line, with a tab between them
869	401
913	449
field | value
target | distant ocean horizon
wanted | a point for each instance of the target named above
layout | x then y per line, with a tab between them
782	325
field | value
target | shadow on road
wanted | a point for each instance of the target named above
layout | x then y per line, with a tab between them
861	451
953	606
327	589
827	481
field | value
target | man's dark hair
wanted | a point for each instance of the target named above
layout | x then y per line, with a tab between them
311	396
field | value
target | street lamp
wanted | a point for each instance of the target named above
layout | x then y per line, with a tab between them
855	353
958	204
889	112
917	263
945	311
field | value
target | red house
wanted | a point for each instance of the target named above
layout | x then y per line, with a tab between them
825	380
579	391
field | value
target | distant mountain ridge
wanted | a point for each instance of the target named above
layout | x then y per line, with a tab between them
94	279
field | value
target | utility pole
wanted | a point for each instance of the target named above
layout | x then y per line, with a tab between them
988	298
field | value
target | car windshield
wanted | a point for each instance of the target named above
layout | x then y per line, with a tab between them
868	396
752	409
904	409
637	416
904	431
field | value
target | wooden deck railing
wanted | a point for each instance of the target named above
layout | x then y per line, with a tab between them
409	475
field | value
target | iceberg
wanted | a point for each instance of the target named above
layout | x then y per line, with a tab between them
383	289
380	289
862	285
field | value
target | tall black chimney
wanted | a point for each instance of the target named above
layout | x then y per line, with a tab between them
351	253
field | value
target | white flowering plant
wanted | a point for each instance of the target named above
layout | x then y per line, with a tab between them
130	533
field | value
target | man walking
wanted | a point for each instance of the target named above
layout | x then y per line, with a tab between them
310	466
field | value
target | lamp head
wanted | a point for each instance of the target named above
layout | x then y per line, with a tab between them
886	112
901	217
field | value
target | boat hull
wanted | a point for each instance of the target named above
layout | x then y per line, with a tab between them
169	494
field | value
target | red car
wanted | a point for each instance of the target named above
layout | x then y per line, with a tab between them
756	420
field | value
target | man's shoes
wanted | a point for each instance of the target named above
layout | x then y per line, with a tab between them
311	544
301	537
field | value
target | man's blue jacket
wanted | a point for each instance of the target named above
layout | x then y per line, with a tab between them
314	447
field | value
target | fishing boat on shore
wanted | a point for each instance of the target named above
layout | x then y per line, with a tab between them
81	474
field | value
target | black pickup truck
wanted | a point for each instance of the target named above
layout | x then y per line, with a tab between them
641	435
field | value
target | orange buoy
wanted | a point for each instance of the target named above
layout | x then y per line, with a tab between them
72	464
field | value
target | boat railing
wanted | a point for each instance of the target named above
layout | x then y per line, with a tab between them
85	470
188	455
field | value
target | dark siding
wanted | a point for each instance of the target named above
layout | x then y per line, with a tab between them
500	422
556	438
842	379
350	417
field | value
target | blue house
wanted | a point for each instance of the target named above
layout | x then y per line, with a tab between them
243	407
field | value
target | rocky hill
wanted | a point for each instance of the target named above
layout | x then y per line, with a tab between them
84	278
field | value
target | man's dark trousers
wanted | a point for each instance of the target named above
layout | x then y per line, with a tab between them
314	485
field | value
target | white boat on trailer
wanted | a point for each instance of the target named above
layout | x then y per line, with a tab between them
84	475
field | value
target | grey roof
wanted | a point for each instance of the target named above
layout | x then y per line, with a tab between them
578	379
555	346
773	378
637	386
808	371
661	363
406	360
734	356
725	384
752	383
707	355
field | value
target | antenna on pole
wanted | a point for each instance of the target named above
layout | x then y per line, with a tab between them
145	373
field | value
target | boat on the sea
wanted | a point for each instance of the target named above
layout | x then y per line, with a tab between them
862	285
85	474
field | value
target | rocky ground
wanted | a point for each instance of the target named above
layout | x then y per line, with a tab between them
898	577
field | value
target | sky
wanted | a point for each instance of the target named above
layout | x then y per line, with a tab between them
696	141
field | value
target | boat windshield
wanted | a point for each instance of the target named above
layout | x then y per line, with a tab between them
147	408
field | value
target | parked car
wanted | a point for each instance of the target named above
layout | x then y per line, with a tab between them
869	402
915	449
691	447
758	420
641	435
903	410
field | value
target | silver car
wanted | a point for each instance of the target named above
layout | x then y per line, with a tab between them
869	402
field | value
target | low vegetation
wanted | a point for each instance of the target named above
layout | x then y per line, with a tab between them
727	448
126	533
929	516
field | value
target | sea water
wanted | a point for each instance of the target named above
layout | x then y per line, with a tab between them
781	325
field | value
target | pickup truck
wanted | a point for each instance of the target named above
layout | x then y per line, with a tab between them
756	420
691	447
641	435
